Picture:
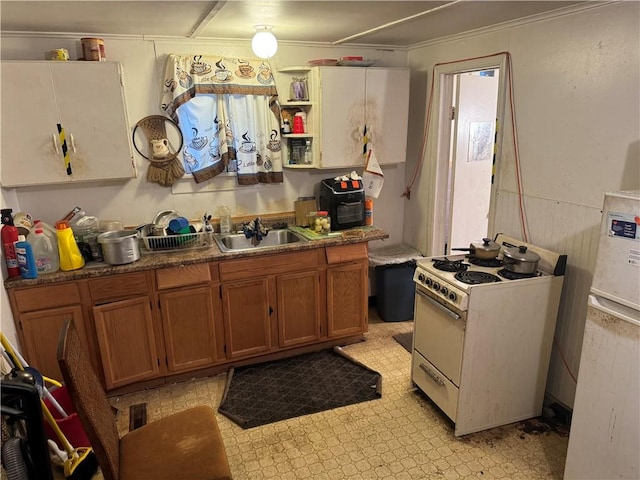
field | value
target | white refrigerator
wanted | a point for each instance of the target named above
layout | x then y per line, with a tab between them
604	440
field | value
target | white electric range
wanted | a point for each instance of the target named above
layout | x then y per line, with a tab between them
483	337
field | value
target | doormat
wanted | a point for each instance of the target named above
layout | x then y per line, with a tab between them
314	382
405	339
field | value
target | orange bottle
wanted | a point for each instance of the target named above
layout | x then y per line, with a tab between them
368	212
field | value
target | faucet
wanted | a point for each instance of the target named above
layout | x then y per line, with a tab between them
255	230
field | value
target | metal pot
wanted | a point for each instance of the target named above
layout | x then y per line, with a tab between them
120	247
485	250
520	260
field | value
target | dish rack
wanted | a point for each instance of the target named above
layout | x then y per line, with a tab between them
185	241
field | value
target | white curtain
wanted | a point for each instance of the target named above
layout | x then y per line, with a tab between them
229	121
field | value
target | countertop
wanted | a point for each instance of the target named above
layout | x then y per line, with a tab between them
153	260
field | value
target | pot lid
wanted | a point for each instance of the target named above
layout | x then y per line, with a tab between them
486	245
521	254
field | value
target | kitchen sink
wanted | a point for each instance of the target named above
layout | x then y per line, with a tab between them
237	242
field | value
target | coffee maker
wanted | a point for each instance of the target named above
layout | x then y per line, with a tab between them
344	200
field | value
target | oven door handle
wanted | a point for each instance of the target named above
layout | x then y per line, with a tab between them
437	305
430	373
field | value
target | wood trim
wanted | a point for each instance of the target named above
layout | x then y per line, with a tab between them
346	253
183	275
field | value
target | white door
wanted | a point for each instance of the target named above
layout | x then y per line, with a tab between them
87	100
472	157
387	113
31	150
342	116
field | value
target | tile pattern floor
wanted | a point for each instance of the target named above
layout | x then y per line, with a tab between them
403	435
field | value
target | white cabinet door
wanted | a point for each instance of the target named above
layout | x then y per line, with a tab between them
387	113
352	98
87	99
342	107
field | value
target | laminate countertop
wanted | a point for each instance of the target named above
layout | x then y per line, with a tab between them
154	260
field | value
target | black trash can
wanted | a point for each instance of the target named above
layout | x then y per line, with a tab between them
394	267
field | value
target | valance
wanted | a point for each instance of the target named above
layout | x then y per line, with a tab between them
189	75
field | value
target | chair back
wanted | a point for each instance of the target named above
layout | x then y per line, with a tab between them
89	399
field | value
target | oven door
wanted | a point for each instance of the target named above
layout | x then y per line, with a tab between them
439	334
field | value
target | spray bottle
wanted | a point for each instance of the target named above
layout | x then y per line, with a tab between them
9	235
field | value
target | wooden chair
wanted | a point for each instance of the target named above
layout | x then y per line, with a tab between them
184	445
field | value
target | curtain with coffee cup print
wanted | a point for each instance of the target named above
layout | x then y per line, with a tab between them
227	111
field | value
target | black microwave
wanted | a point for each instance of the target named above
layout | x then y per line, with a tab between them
344	200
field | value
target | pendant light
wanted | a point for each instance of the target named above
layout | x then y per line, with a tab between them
264	43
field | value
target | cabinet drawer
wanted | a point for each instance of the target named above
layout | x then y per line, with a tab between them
38	298
437	387
183	275
347	253
270	265
118	287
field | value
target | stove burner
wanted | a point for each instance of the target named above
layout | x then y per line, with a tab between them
447	265
486	262
509	275
474	277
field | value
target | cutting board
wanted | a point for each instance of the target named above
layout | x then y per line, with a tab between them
301	208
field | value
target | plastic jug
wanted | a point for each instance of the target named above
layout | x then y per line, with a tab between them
26	260
45	251
70	256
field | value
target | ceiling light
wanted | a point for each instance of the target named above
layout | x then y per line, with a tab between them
264	43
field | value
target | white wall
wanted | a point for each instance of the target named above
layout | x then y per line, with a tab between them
137	201
576	94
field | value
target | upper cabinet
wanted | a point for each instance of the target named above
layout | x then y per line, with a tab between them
86	99
342	101
354	98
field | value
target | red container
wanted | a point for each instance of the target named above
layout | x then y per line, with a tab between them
298	124
70	425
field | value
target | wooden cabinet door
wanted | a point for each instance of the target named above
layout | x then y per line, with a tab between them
127	341
247	317
387	113
87	99
342	111
347	299
189	329
299	308
40	332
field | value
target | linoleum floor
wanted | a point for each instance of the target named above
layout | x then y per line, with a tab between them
403	435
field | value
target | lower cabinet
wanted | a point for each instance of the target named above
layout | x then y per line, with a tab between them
39	313
347	307
188	328
144	326
40	331
127	341
190	315
300	316
247	317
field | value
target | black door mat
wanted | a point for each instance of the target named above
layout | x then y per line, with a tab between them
270	392
405	339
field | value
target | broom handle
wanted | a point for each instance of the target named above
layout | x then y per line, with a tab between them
20	363
65	443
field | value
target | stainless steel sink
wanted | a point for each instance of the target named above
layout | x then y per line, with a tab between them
237	242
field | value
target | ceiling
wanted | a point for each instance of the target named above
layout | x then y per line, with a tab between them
399	23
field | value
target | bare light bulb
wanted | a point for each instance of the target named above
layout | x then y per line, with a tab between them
264	43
